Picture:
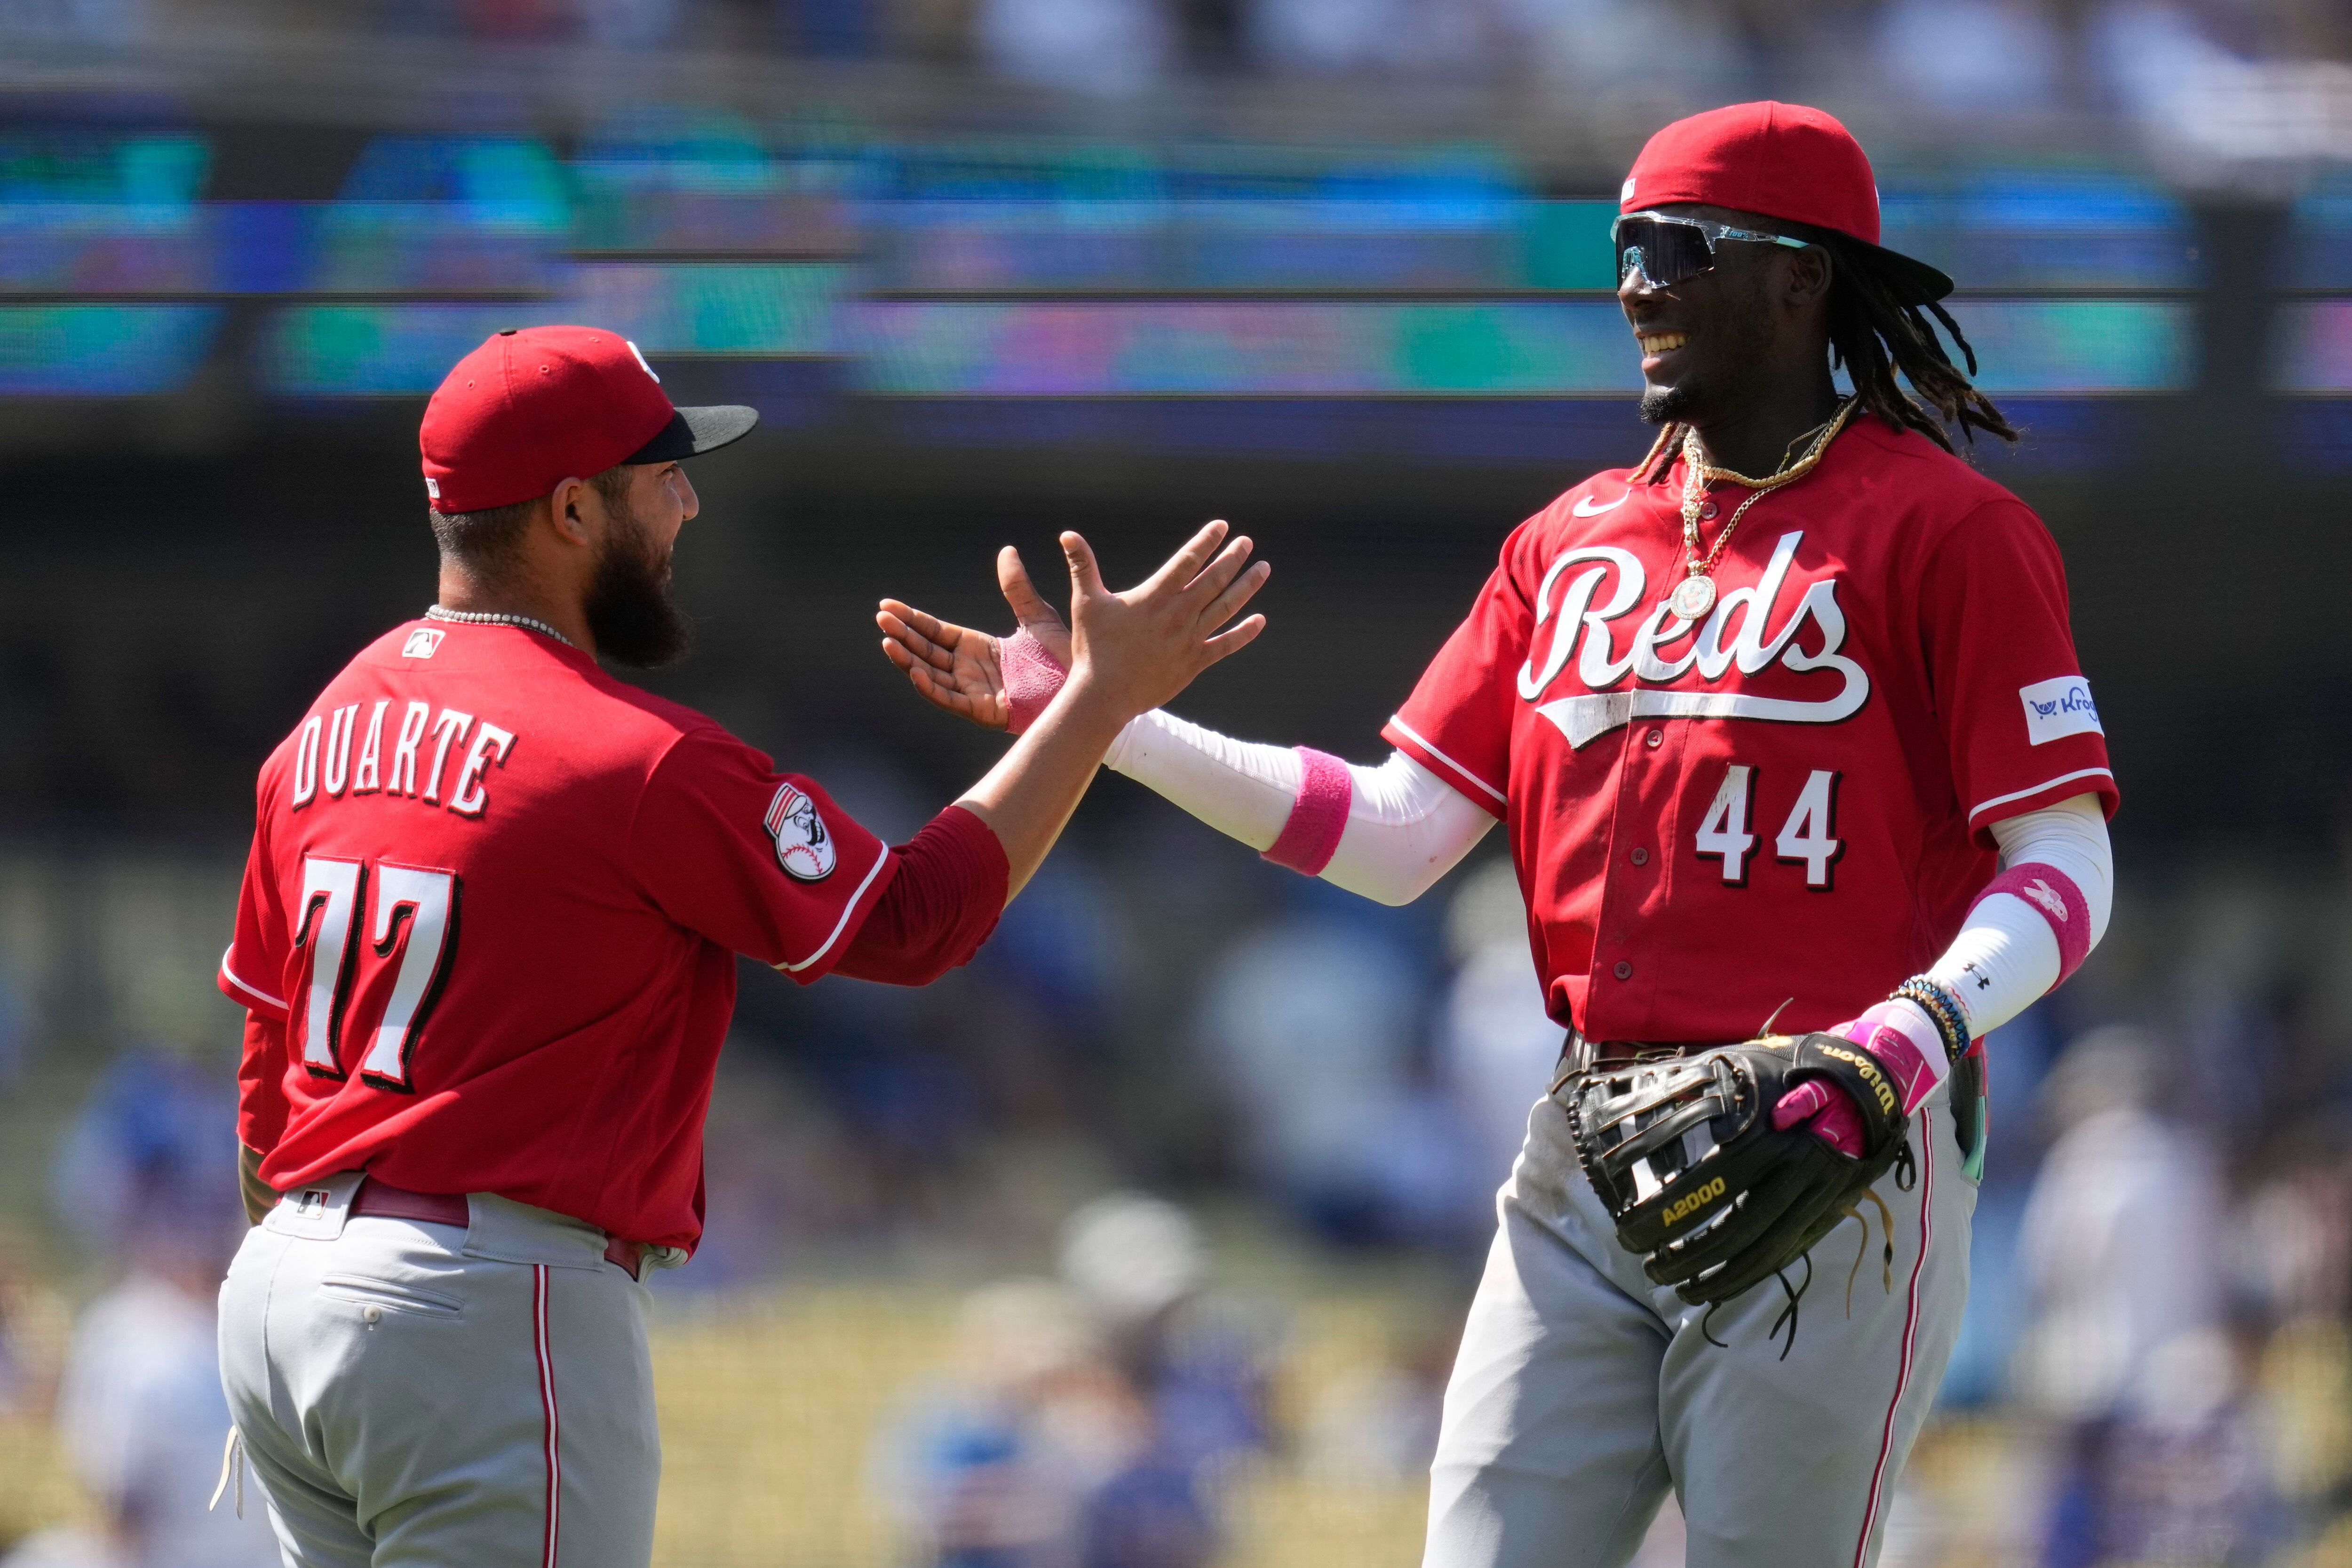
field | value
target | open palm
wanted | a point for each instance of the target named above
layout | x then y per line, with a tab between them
960	670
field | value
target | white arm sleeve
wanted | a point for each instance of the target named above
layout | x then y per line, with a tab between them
1241	788
2006	958
1406	827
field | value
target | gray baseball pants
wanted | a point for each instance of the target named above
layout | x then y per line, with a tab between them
415	1395
1582	1393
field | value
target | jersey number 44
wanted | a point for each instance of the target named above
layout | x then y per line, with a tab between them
1808	838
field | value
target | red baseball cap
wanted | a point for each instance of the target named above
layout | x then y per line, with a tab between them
1777	160
536	406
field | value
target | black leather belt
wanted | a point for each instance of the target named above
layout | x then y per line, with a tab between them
1578	1054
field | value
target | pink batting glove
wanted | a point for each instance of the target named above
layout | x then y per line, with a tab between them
1897	1034
1830	1111
1032	677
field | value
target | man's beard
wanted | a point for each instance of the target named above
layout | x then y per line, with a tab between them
629	609
1664	404
1739	331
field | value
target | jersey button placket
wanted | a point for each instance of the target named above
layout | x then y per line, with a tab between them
1617	923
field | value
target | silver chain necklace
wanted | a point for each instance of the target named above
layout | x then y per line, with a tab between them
489	618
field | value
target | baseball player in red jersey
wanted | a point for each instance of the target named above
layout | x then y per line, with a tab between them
487	943
1810	746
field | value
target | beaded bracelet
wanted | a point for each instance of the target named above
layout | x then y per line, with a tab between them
1943	1010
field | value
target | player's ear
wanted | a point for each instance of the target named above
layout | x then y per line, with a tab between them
1810	273
568	507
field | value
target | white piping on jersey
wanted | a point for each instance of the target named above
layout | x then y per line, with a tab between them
1418	739
230	976
847	910
2037	789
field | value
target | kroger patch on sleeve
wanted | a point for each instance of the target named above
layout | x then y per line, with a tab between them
2056	709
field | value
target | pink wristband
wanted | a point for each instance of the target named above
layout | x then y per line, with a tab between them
2062	904
1032	676
1317	817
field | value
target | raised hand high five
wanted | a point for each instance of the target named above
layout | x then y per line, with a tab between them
967	672
1144	645
1127	653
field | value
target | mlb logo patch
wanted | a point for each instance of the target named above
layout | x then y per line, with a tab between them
803	848
316	1212
2057	708
421	642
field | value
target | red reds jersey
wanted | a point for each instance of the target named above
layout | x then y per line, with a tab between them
489	927
1787	800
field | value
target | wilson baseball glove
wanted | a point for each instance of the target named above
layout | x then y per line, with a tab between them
1710	1195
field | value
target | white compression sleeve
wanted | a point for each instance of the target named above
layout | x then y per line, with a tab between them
1242	788
2007	958
1406	827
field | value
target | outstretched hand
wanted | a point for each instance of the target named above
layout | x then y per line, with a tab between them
1138	649
962	670
1127	653
953	667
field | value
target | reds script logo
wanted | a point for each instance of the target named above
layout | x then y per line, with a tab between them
1586	616
803	848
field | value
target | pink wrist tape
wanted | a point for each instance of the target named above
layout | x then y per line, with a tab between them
2062	904
1317	817
1032	676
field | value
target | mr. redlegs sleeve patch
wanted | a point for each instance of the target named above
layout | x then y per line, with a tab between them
803	847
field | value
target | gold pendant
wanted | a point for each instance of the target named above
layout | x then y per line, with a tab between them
1692	598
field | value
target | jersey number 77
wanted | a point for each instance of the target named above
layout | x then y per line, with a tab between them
395	975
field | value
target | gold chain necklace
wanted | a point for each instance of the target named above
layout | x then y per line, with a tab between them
1694	597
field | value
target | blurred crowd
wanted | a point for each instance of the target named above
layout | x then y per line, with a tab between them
137	1177
1087	1417
2283	58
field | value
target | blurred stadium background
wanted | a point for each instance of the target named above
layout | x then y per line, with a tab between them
1335	269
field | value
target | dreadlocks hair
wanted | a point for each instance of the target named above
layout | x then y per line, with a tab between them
1879	328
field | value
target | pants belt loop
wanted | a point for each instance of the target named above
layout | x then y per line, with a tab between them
1576	1055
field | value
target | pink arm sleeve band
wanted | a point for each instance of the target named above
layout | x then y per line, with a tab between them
2061	902
1317	817
1032	676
